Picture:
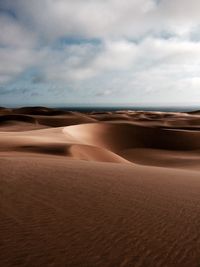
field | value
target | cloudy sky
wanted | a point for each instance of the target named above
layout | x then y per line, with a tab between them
99	52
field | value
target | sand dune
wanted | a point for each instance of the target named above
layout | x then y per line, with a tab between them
57	212
38	111
18	118
99	189
92	153
119	136
64	120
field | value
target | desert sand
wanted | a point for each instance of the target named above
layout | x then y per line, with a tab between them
99	189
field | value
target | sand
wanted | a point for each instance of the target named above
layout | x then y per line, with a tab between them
99	189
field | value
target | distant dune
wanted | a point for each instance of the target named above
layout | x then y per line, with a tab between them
99	189
195	112
37	111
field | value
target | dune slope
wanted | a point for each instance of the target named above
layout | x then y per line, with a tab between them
73	213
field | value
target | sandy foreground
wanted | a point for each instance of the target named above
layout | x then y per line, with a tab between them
99	189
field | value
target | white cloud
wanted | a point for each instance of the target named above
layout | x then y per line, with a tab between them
14	62
99	18
86	61
107	19
16	48
145	44
15	35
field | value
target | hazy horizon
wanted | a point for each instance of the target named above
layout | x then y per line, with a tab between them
102	108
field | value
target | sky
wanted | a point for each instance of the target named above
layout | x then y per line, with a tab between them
99	52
